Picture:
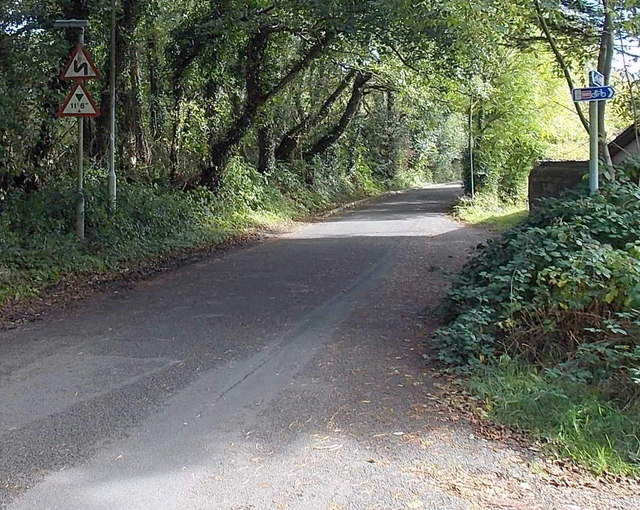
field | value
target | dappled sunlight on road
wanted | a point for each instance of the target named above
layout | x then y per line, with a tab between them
289	375
414	214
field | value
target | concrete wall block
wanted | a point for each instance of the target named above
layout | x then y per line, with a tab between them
550	178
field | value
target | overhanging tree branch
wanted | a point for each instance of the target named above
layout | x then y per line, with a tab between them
605	59
559	59
357	93
291	139
314	52
220	149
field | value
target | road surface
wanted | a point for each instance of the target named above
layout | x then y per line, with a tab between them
286	375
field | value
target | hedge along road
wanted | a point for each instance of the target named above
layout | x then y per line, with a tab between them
283	375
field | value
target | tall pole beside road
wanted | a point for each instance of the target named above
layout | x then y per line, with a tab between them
80	205
594	171
79	103
471	169
596	92
112	113
80	202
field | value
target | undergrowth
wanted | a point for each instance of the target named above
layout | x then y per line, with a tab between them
560	294
486	209
571	418
38	246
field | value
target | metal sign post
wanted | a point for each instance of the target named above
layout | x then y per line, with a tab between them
471	169
80	205
596	91
80	104
594	171
112	112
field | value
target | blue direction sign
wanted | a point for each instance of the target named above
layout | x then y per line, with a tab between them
596	79
593	94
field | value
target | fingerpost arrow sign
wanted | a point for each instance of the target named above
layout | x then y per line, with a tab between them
594	94
79	103
596	79
80	66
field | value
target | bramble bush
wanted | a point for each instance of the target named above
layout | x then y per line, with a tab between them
560	291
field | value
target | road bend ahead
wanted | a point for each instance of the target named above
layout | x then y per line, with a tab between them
286	375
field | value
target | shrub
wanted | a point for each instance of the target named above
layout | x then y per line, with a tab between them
38	246
562	290
566	415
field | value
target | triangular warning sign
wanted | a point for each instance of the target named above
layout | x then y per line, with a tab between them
79	103
80	66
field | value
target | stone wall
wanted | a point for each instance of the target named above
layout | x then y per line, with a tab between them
551	178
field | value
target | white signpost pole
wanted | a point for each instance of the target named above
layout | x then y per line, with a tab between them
471	169
596	92
112	113
594	178
80	205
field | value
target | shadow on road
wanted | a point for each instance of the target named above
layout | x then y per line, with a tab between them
286	375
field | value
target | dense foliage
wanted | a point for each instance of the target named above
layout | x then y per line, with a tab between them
559	296
562	289
38	248
300	84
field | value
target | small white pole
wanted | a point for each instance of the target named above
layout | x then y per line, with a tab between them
593	148
112	113
594	178
471	170
80	198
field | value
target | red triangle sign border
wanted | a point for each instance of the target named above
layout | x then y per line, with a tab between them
80	48
79	85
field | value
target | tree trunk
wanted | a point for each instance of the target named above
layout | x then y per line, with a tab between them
221	150
156	119
175	132
41	151
133	124
292	138
267	149
357	93
559	60
393	134
605	58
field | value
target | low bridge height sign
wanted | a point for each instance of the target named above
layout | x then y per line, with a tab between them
80	104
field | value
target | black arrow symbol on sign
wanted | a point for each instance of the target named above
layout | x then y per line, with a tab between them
79	96
81	66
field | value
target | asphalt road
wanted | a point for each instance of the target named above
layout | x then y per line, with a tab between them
286	375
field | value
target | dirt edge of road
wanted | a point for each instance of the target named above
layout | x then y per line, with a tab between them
76	287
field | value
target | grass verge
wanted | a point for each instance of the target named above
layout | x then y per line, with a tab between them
559	293
572	419
488	211
38	247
